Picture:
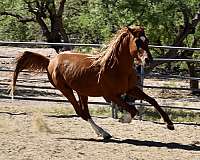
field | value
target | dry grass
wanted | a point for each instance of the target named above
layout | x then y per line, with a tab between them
41	112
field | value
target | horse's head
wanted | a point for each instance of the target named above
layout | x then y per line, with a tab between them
139	46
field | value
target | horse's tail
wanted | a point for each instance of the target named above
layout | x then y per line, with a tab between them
31	61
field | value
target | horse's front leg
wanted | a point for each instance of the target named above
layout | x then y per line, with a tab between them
129	108
139	94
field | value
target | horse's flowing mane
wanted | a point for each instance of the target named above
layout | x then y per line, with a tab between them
109	52
108	56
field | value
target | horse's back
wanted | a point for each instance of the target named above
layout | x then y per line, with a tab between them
79	59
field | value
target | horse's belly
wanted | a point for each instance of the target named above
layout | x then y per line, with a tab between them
88	90
85	84
91	87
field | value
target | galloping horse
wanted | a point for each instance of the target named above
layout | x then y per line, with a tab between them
110	74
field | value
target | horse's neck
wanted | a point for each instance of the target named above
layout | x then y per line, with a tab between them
118	59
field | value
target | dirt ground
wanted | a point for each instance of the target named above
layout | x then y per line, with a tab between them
29	131
38	130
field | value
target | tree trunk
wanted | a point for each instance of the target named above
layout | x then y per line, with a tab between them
55	33
58	33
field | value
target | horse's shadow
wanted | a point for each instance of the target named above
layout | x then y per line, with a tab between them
140	143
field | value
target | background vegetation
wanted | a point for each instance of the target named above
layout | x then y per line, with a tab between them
167	22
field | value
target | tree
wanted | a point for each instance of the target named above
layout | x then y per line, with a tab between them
186	26
49	18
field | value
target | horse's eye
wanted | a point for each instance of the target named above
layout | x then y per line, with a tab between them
138	43
143	38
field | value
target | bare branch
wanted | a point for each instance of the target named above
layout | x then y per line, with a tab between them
30	8
51	8
10	14
187	53
186	16
188	28
43	26
196	19
36	8
61	8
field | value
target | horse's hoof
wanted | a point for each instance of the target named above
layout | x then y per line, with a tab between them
126	118
107	136
170	126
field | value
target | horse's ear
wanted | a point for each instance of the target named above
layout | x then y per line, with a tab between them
133	31
129	29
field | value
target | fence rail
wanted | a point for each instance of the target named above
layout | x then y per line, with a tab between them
144	86
50	44
96	103
148	75
176	60
90	45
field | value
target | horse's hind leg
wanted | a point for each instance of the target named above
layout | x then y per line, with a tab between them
139	94
68	93
81	109
83	101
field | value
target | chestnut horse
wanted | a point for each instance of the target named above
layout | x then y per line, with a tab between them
109	74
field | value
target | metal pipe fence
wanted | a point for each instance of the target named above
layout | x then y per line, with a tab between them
89	45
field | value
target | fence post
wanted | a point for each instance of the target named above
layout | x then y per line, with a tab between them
140	106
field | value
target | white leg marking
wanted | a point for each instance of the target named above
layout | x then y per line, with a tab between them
99	131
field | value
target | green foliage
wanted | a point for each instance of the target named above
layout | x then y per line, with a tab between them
14	31
94	21
11	29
